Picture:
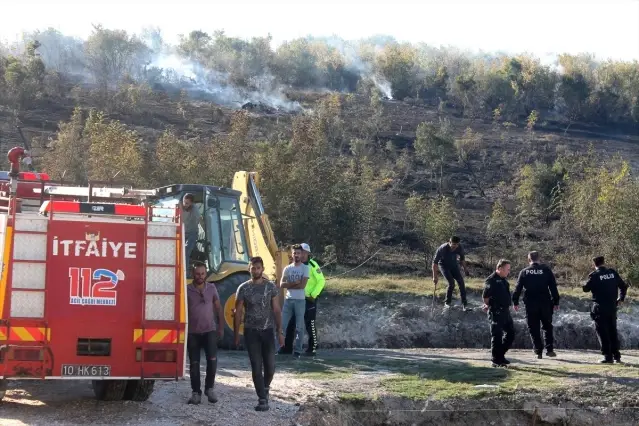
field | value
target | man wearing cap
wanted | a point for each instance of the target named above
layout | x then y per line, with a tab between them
314	287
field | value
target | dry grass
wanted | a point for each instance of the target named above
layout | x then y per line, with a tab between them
418	286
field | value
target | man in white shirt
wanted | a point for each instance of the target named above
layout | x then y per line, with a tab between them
294	279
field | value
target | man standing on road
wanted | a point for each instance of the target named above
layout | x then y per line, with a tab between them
202	298
294	279
314	287
497	301
608	291
446	260
541	297
257	302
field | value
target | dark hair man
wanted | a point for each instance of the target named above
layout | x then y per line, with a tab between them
294	279
191	218
202	299
541	297
256	301
497	301
608	291
446	260
313	289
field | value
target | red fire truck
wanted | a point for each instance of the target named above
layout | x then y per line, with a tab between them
92	291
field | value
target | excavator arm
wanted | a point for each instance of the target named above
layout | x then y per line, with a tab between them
260	236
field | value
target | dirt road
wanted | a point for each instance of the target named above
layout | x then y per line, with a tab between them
296	383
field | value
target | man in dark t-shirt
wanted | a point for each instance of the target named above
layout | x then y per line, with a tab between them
256	301
445	260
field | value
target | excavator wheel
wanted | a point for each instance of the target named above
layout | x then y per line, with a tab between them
226	288
109	390
138	390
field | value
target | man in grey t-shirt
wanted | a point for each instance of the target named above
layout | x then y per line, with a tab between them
294	279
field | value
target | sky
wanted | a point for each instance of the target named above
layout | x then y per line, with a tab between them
609	29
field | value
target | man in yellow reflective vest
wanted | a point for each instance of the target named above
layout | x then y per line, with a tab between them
313	289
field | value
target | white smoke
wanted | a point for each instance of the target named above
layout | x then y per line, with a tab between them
198	80
356	63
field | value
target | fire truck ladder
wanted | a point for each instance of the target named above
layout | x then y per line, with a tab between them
26	277
164	288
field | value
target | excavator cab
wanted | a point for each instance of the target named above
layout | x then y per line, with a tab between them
221	243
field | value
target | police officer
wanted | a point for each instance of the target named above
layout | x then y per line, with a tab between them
446	261
497	302
541	297
608	291
313	289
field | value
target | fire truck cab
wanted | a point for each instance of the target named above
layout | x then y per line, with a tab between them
92	291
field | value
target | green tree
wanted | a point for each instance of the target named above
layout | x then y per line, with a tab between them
68	155
115	152
434	220
433	146
111	55
537	186
499	230
176	160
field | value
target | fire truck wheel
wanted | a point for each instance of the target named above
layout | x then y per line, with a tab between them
226	288
138	390
109	390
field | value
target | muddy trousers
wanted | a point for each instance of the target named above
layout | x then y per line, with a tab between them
311	329
538	317
502	334
451	276
606	327
195	343
261	350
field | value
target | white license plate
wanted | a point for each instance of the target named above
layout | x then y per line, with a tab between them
71	370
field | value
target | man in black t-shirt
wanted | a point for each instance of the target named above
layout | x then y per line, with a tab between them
446	261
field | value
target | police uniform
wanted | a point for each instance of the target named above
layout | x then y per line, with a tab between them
313	289
502	328
540	296
607	289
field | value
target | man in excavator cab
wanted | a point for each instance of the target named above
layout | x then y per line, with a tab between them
313	289
192	218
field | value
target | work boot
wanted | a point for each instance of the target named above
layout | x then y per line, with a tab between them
605	361
196	398
211	396
539	355
617	359
551	354
262	405
500	362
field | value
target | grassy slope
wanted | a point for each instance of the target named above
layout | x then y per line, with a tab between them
420	286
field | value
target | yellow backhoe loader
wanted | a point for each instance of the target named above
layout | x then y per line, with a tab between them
234	227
